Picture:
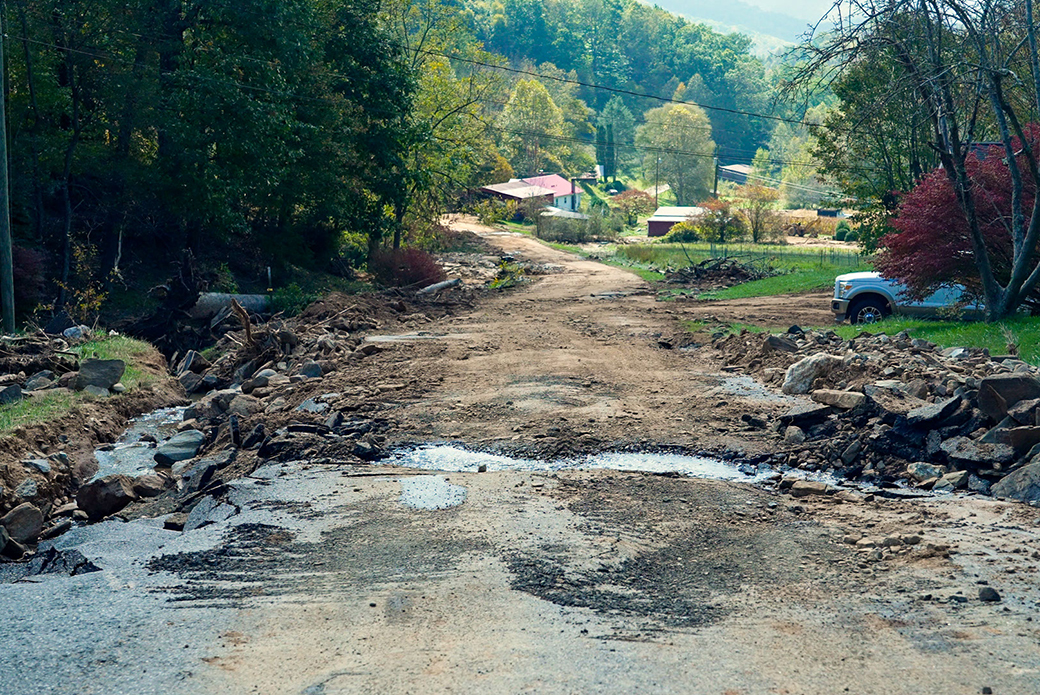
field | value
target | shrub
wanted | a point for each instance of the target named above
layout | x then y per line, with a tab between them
491	211
852	235
406	267
291	299
685	232
840	234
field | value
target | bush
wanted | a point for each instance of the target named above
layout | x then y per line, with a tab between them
291	299
842	225
852	235
597	228
683	233
406	267
491	211
840	234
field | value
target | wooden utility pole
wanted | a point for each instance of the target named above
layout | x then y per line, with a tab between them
6	252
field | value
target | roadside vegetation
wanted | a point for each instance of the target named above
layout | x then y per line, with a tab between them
797	270
54	404
1019	335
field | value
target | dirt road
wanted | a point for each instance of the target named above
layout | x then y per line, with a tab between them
340	579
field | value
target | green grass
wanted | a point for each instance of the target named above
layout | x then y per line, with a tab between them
793	282
1025	331
800	270
30	411
118	347
51	405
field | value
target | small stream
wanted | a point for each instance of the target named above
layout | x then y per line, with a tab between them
130	455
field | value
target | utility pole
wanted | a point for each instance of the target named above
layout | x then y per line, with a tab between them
715	187
6	252
657	181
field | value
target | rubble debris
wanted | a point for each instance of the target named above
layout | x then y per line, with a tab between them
890	409
716	274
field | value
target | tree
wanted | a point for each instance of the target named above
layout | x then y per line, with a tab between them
632	204
720	222
681	137
973	68
450	145
622	123
931	245
532	126
758	203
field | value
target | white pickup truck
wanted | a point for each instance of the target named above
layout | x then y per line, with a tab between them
868	298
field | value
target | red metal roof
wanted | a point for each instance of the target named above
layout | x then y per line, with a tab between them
554	182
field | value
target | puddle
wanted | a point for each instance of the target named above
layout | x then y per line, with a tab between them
431	492
421	335
456	459
746	387
129	455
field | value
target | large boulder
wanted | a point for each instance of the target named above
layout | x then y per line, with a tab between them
179	447
801	375
1023	484
999	393
103	374
23	523
109	495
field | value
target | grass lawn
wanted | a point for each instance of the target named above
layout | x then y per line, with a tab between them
50	405
1024	331
801	270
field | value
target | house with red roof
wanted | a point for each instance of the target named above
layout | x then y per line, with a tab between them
566	196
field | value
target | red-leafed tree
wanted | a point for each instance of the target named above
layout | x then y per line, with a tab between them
972	70
933	245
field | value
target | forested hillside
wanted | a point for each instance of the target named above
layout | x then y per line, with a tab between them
308	134
637	49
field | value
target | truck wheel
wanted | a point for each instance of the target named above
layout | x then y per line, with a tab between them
867	311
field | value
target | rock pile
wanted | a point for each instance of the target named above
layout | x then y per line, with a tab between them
894	408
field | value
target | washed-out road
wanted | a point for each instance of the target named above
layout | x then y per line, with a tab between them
531	578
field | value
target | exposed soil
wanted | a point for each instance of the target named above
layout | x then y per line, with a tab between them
578	581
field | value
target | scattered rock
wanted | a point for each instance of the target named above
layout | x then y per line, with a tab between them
149	485
179	447
846	400
801	375
1022	485
39	381
23	523
954	480
103	374
10	394
107	496
976	452
794	435
1000	392
933	412
989	594
805	414
921	471
805	488
311	370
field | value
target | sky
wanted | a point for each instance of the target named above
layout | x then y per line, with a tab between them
808	10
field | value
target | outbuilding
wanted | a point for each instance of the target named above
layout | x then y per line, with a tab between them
667	217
